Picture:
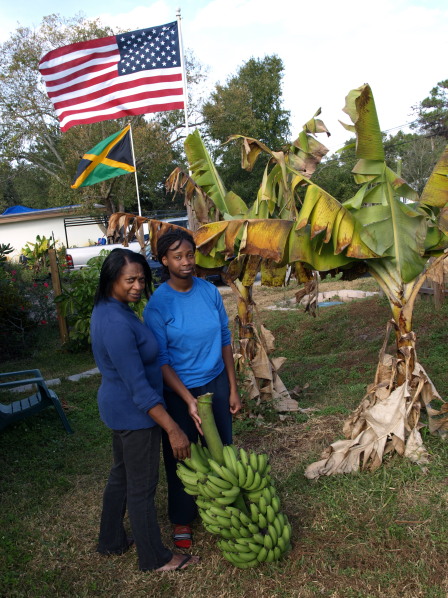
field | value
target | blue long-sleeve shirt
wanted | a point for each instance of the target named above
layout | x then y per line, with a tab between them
125	352
191	329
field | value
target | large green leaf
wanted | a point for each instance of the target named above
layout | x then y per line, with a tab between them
206	176
360	106
435	192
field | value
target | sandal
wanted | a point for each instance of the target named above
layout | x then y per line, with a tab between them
184	562
182	536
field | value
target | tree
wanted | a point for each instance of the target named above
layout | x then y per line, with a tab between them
432	112
250	103
395	240
31	140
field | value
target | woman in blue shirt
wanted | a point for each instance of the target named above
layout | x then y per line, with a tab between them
130	402
187	316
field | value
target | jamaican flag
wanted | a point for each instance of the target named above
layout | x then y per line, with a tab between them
111	157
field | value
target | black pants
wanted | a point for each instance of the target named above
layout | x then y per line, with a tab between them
132	483
181	506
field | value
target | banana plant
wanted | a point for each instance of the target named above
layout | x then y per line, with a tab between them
401	238
208	201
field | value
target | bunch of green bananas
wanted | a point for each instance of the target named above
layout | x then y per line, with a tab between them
237	501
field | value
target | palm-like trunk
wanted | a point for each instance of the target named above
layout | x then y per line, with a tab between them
388	418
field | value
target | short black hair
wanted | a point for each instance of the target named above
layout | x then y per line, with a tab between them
165	241
112	267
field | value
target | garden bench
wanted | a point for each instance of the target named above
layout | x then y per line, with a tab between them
41	399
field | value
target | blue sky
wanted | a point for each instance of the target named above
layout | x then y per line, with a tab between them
399	47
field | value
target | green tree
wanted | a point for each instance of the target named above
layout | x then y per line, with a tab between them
250	103
432	112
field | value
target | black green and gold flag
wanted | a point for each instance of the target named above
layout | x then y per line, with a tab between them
111	157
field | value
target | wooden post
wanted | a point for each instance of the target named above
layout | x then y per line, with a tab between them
55	279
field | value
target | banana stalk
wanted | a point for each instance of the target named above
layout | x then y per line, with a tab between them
209	428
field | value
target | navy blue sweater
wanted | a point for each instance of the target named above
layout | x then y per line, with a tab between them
125	352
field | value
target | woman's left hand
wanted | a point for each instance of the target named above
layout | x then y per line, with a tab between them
235	402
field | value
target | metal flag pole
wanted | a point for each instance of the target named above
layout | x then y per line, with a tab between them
184	72
135	171
192	222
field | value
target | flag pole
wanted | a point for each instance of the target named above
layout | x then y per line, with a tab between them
135	171
184	72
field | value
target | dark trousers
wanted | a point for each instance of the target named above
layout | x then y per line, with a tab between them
181	506
132	483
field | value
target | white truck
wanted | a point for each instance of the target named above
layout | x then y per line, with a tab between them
77	257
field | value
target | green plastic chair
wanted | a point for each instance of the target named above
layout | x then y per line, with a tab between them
41	399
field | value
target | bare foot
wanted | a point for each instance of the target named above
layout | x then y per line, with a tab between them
179	561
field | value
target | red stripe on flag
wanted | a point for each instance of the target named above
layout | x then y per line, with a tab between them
128	111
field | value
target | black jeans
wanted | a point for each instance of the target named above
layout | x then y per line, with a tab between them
132	482
181	506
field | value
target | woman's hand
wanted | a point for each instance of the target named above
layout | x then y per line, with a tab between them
234	402
179	443
193	411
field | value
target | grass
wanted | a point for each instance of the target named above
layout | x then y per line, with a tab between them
369	535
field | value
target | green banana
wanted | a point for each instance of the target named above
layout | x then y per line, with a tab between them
224	484
275	502
207	518
242	474
214	489
230	459
270	514
244	519
225	533
270	556
273	533
256	483
241	547
225	500
262	521
258	538
253	460
223	521
253	528
191	492
268	542
277	553
254	512
278	527
215	510
214	529
255	495
244	532
199	463
262	505
262	463
235	521
244	457
245	557
226	474
234	491
262	554
249	477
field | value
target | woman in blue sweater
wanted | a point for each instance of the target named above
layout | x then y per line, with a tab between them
188	319
130	401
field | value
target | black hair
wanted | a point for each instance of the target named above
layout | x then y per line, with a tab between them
111	270
165	241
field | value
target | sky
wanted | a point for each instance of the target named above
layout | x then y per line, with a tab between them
398	47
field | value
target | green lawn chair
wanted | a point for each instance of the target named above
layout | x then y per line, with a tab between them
41	399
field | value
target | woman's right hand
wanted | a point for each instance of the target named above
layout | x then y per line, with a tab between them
179	443
194	414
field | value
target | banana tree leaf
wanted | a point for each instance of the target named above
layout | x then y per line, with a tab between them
325	214
435	240
435	192
272	275
208	261
360	106
250	270
206	176
314	253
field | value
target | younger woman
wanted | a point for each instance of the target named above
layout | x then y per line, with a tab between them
190	323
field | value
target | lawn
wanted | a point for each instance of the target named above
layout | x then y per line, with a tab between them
358	536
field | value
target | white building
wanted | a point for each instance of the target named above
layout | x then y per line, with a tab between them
69	227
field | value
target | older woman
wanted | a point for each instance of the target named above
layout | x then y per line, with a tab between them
131	403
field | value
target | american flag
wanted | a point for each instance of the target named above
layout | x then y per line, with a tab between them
120	75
